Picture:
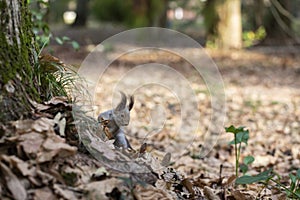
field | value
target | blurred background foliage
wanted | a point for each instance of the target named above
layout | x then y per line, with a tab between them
260	19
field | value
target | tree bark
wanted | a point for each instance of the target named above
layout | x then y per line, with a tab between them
277	24
17	58
259	10
224	23
82	13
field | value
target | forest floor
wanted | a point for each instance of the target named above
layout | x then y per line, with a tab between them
262	88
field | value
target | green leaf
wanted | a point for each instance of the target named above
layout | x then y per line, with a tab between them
293	178
75	45
233	129
297	193
59	41
65	38
298	173
252	179
248	160
243	168
242	136
39	16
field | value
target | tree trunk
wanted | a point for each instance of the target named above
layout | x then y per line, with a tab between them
258	9
224	23
82	13
17	58
277	24
162	21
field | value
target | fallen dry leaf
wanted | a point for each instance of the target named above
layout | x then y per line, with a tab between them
13	183
238	195
46	156
23	126
55	145
151	193
97	190
58	100
44	194
230	181
22	166
189	186
209	193
66	194
43	124
166	159
39	106
31	142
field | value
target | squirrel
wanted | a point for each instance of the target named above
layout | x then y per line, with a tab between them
113	120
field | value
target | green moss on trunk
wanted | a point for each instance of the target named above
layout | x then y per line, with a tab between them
17	59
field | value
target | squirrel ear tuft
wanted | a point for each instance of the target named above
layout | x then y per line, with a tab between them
122	104
131	102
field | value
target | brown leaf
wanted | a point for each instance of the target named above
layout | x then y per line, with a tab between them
40	125
58	100
31	142
23	126
55	146
47	58
43	193
188	185
66	194
149	192
46	156
230	180
43	124
209	193
106	186
13	183
22	166
143	148
45	177
56	143
166	159
238	195
38	106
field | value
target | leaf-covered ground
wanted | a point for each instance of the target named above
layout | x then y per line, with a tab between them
42	159
262	94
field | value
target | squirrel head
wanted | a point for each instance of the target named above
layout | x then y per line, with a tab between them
119	116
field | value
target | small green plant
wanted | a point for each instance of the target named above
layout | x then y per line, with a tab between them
39	11
246	162
50	77
241	135
63	40
292	191
251	38
41	29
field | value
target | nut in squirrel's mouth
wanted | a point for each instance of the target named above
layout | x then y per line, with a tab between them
108	134
104	123
105	129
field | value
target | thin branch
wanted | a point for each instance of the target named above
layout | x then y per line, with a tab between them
281	23
282	10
